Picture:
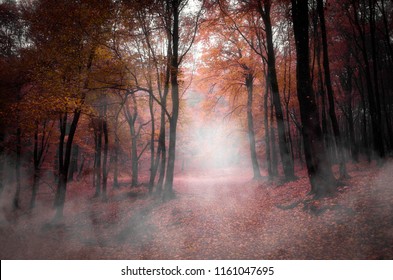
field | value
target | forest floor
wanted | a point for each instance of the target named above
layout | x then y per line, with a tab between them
220	214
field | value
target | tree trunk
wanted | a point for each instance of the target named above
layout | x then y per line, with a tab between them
36	183
250	122
273	142
74	162
352	139
36	175
131	119
161	138
287	163
162	149
16	203
105	159
153	166
347	85
330	93
175	100
98	152
319	170
376	125
375	76
287	98
2	162
64	161
266	124
116	160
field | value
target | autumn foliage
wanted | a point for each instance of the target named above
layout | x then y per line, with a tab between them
105	101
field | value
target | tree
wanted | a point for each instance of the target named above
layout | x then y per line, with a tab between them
13	79
65	62
329	88
231	66
263	45
175	8
318	167
264	8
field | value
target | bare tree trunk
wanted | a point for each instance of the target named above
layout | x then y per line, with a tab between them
153	165
131	119
287	164
330	93
98	152
375	76
2	162
162	148
161	138
64	161
175	100
273	142
347	85
318	167
36	175
250	122
267	129
16	203
105	159
36	183
116	156
372	102
74	162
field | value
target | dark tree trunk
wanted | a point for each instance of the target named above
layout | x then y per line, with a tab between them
131	119
81	167
372	101
352	139
175	100
105	159
347	85
250	124
330	93
321	93
153	165
36	183
98	152
287	98
267	129
16	203
273	142
65	158
74	162
318	167
287	163
2	162
64	161
116	159
161	150
375	76
387	37
36	175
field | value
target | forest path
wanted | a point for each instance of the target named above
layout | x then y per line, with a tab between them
219	214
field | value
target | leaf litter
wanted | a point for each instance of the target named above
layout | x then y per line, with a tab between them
215	215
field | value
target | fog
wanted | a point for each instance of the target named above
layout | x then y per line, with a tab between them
208	140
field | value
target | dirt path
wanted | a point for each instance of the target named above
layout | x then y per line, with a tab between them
214	216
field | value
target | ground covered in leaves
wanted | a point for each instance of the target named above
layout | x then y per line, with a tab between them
220	214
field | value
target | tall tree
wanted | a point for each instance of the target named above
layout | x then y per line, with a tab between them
329	89
176	7
66	45
264	8
318	166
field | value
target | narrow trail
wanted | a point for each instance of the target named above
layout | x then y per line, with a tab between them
215	215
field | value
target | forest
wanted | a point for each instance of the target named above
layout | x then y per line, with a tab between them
196	129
